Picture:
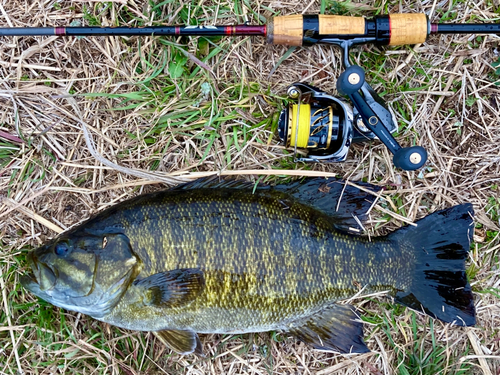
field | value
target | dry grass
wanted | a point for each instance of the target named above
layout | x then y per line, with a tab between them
223	118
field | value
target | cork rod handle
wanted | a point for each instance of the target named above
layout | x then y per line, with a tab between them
289	30
408	28
341	25
394	29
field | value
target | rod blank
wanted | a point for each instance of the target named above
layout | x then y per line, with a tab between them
465	28
134	31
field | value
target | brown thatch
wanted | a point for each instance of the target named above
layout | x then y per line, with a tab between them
150	131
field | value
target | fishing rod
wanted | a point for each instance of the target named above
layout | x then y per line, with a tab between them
323	124
295	30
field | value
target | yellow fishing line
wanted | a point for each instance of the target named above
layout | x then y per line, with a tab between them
304	125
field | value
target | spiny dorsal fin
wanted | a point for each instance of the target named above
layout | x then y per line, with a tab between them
334	328
332	196
218	182
172	288
182	342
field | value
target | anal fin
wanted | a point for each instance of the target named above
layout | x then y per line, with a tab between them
180	341
334	328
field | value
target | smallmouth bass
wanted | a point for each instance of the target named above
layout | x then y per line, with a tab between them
226	257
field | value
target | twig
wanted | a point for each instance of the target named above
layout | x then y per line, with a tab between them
32	215
9	322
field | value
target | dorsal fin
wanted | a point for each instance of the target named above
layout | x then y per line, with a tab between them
334	197
345	204
218	182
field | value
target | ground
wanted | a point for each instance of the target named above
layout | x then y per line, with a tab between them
88	122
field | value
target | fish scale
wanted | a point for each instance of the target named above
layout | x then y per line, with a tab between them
224	259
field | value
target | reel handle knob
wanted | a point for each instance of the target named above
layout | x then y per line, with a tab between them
410	158
351	80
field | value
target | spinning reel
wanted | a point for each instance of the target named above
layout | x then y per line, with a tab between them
325	126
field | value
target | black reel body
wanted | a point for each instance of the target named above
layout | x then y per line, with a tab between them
327	125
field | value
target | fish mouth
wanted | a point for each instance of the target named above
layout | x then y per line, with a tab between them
41	277
28	280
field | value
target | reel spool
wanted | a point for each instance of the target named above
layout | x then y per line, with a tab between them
318	123
311	125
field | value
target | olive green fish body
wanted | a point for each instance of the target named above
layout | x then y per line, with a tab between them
223	259
266	260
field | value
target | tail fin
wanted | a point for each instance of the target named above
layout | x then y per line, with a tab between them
439	285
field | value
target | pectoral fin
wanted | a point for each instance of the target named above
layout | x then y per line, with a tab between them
182	342
172	288
334	328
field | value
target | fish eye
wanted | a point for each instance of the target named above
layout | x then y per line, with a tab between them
61	248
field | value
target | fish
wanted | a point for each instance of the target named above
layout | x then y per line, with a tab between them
232	257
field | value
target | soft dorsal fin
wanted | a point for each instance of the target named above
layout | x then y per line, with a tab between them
334	328
182	342
172	288
335	198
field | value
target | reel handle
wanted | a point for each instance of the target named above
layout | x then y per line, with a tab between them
350	83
